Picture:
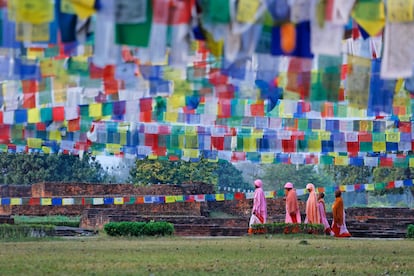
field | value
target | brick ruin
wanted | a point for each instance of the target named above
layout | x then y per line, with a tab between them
189	218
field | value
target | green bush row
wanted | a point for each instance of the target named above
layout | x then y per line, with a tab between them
287	228
136	229
55	223
18	231
410	231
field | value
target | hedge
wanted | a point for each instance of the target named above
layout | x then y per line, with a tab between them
17	231
137	229
288	228
410	231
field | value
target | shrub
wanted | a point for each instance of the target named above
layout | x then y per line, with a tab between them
288	228
136	229
410	231
48	220
18	231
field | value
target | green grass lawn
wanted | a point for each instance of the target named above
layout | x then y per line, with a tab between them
257	255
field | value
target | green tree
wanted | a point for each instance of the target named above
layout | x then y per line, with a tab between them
349	175
220	173
230	176
276	175
33	168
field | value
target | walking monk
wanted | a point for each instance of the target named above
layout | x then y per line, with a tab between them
259	210
312	212
292	206
338	213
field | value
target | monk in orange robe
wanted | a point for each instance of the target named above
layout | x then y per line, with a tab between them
312	212
338	213
292	205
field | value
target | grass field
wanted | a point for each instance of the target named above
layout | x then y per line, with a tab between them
258	255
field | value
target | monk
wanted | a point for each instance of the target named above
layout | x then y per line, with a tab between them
312	212
338	213
292	206
259	210
322	214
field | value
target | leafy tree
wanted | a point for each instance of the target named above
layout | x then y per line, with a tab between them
276	175
230	176
220	173
32	168
348	175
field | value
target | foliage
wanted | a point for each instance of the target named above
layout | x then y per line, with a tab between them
48	220
349	175
33	168
137	229
288	228
177	172
230	176
410	231
276	175
19	231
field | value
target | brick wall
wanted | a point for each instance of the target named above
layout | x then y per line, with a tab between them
15	191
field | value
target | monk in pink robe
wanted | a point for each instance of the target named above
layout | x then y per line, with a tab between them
322	214
292	205
259	210
312	212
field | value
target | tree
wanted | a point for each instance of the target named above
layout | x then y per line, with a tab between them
221	173
276	175
230	177
33	168
349	175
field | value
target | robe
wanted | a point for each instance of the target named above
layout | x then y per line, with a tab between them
292	206
338	222
312	212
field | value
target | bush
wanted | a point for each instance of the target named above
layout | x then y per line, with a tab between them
288	228
137	229
18	231
410	231
48	220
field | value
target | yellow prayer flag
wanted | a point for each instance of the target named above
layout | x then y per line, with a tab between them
190	130
68	201
341	160
118	200
392	137
169	199
34	143
113	148
15	201
270	194
47	67
325	135
246	10
378	146
46	201
34	53
55	135
152	156
257	133
176	101
35	12
171	117
314	146
411	162
219	197
400	11
33	115
216	47
34	33
267	157
95	110
84	8
375	8
122	138
191	153
369	187
46	150
249	144
342	188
